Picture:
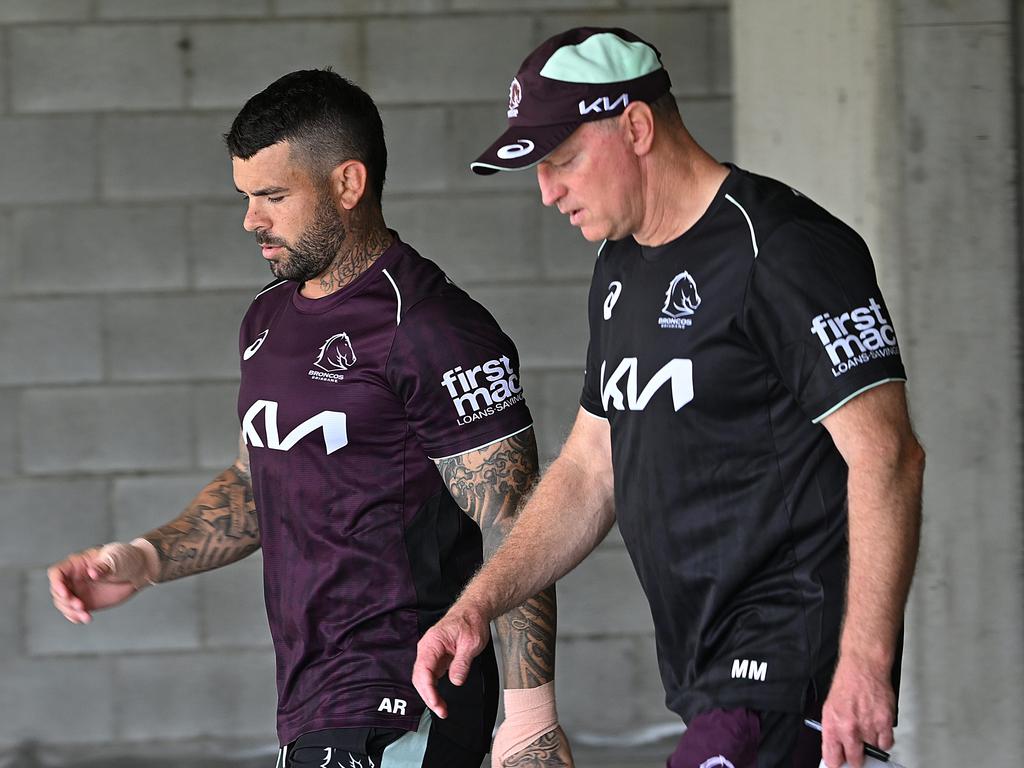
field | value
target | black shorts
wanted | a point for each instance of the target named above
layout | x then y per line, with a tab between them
747	738
426	747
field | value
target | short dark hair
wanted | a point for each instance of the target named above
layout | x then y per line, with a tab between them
666	109
326	117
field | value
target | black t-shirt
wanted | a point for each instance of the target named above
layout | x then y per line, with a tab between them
714	357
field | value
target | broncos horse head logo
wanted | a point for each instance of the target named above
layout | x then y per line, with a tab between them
336	354
681	298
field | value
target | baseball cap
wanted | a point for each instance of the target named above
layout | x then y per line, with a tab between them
584	74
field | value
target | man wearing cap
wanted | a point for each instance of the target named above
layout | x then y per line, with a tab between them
743	417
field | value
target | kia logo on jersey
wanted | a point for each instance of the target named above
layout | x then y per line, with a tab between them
677	373
333	426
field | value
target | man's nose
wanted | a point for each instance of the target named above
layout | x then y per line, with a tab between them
551	191
254	218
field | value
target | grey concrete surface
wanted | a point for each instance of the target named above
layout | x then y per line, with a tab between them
905	118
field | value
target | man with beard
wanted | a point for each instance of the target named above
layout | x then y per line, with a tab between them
385	446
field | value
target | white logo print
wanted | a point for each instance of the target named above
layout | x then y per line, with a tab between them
336	354
679	372
603	104
520	148
750	669
474	399
681	301
254	347
515	95
718	761
334	425
870	338
614	289
396	707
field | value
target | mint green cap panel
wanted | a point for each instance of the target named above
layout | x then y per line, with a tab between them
601	58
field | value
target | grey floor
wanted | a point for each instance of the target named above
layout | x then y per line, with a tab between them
210	754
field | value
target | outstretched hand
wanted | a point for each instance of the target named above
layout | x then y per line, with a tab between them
89	581
448	646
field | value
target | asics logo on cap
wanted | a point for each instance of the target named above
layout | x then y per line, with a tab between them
520	148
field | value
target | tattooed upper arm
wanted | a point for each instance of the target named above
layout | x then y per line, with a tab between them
491	483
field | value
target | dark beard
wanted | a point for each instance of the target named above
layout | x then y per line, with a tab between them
316	248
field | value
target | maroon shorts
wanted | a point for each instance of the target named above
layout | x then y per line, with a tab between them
747	738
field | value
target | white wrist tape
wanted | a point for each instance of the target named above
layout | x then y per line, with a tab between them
529	713
134	563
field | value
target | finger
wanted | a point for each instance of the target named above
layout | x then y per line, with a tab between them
884	738
429	666
853	749
831	751
73	614
458	671
58	577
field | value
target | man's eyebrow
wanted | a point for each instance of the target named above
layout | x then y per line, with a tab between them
265	191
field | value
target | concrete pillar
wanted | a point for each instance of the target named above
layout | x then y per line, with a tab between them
900	118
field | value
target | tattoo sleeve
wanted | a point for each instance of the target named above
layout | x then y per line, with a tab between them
491	485
219	527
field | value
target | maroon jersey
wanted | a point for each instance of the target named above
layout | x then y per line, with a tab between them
345	402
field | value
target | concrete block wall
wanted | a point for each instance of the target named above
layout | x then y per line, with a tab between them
126	272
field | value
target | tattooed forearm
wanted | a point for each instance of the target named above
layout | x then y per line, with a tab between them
491	485
527	636
217	528
548	751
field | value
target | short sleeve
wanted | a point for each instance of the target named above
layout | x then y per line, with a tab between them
590	399
458	375
814	309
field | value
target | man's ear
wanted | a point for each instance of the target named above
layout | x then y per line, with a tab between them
639	124
348	183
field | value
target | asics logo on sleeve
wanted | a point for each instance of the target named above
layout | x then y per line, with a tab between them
253	348
614	289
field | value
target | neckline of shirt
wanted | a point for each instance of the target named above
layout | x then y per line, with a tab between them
310	306
656	252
